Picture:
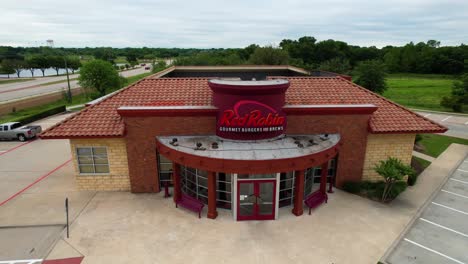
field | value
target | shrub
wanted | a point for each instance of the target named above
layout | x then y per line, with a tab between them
398	187
352	187
39	115
374	190
393	171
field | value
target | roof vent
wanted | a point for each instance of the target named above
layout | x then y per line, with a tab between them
199	146
324	137
174	142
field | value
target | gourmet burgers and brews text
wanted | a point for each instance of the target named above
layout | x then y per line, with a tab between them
261	119
249	110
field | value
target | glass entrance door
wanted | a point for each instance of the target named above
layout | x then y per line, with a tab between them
256	199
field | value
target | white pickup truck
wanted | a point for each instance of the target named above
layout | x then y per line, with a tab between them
14	130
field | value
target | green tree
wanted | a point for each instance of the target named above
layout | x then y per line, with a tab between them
371	75
41	62
159	66
132	59
31	65
459	96
99	77
6	67
73	63
56	62
392	60
18	65
392	170
105	54
269	56
337	65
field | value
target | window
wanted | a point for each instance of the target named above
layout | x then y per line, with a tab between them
286	187
16	125
5	128
164	170
92	160
312	177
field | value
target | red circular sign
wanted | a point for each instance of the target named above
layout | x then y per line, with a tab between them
249	110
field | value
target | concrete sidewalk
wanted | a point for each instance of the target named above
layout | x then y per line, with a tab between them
423	156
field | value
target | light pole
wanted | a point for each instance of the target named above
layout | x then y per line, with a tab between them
68	79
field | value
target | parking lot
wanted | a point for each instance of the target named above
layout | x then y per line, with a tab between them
440	233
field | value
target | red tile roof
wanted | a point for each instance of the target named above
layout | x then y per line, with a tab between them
102	119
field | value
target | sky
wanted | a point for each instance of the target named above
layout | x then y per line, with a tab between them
229	24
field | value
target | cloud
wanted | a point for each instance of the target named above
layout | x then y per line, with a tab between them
211	23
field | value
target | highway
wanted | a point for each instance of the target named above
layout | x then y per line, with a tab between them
18	90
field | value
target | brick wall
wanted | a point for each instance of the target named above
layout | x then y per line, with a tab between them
141	143
117	179
382	146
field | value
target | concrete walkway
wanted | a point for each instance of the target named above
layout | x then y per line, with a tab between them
423	156
119	227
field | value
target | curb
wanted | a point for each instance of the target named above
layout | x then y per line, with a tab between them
438	112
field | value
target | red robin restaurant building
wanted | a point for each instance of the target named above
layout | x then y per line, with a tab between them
249	139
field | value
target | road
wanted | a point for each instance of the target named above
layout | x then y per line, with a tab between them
457	124
12	91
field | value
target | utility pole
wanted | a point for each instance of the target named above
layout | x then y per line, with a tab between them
68	80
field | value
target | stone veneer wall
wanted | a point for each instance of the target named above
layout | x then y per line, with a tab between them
382	146
117	179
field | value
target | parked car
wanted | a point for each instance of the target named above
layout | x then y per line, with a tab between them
147	68
143	64
14	130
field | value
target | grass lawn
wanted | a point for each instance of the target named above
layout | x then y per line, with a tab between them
55	82
434	145
422	91
121	59
133	79
15	80
77	99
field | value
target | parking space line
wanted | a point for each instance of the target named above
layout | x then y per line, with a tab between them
426	115
6	151
462	170
36	181
450	208
444	227
434	251
455	193
27	261
458	180
445	119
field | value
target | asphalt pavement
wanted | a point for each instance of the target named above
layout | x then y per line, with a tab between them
440	232
12	91
456	123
